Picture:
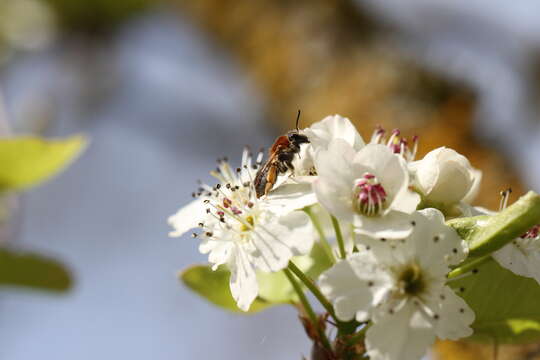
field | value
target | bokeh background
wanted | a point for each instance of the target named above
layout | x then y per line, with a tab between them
163	88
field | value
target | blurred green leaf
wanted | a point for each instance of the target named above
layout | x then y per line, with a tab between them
321	262
274	288
486	234
24	269
26	161
507	306
214	287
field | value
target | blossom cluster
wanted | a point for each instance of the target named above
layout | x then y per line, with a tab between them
393	250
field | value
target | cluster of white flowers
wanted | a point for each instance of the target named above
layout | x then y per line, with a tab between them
392	278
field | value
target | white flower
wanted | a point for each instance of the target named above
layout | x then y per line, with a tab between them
368	188
243	232
401	287
320	134
445	178
323	132
522	255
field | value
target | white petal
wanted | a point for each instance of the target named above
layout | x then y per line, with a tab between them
334	165
403	335
522	257
391	170
475	187
333	127
435	241
336	200
406	201
298	233
243	281
219	251
289	197
392	225
187	218
455	316
353	285
271	252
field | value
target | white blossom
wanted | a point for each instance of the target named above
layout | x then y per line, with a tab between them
522	255
445	178
243	232
368	188
401	287
320	134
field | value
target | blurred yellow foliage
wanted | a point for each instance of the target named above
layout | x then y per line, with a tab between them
328	56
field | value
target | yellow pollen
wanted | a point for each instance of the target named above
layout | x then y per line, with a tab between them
411	280
249	219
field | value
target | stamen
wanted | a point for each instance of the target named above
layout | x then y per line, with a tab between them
505	195
369	195
532	233
378	135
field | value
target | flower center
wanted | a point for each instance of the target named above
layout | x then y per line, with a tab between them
369	195
532	233
249	220
411	281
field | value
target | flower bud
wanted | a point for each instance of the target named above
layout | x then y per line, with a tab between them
444	177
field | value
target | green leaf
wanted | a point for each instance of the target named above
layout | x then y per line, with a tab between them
507	306
486	234
276	288
28	160
23	269
214	287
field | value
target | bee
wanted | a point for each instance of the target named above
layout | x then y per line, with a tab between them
280	157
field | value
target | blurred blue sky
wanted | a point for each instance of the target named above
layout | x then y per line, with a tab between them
175	105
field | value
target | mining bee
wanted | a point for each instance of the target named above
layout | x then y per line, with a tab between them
280	157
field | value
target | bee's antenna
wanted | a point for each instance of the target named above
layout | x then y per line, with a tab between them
297	119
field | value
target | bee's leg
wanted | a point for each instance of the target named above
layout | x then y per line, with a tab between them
282	167
270	179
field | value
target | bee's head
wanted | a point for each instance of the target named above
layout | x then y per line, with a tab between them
296	138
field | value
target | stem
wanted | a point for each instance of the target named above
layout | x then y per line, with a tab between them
465	268
323	240
314	290
339	237
360	335
307	307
